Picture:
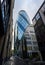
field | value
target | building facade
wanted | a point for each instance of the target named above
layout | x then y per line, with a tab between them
39	26
6	28
20	26
31	41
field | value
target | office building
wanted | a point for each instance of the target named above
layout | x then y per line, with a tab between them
6	28
39	26
31	41
21	24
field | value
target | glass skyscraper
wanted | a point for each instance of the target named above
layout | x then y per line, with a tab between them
22	23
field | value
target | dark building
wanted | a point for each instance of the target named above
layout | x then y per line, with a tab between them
39	26
5	14
6	22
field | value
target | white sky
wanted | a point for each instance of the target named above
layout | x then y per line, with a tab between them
30	6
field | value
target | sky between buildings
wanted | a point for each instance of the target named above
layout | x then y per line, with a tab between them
30	6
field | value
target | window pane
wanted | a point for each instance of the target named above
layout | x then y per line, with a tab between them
22	21
29	42
29	48
34	42
3	12
20	33
37	16
35	48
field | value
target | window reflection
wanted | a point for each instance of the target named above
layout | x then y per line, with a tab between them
5	6
1	1
29	42
37	16
22	21
3	12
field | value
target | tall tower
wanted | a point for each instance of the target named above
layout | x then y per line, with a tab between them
22	23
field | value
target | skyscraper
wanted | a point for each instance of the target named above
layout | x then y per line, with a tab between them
39	26
21	24
6	25
31	41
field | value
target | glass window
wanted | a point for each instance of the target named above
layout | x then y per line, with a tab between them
22	21
20	33
35	48
19	18
34	42
29	48
34	21
25	15
33	37
29	42
37	16
31	31
28	37
3	11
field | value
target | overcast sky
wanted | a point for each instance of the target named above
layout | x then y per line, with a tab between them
30	6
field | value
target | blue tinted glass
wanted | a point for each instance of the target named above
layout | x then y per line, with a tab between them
25	24
19	18
20	33
19	29
25	15
21	26
22	21
3	12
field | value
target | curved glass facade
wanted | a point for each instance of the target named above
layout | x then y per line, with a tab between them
24	15
23	22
